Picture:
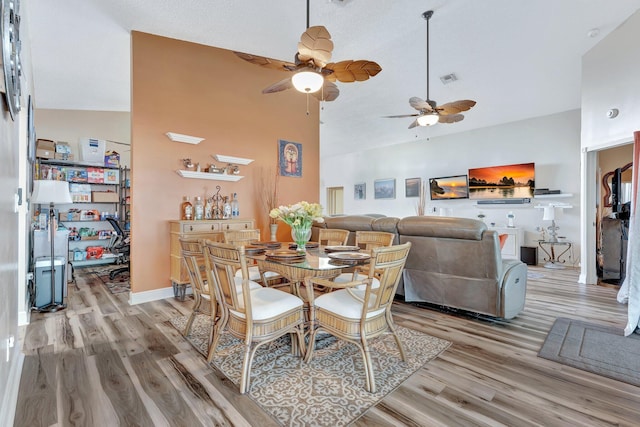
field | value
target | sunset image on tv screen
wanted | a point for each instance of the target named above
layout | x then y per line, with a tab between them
506	181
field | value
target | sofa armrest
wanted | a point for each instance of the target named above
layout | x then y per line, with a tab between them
513	288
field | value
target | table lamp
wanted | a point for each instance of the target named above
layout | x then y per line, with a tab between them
51	192
549	214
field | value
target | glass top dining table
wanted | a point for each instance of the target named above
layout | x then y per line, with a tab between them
316	263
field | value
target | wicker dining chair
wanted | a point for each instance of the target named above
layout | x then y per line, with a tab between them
344	314
242	238
367	240
193	258
255	315
333	236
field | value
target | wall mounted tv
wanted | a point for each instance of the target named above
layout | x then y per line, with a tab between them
449	187
502	182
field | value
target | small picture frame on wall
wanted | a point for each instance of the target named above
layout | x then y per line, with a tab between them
290	158
360	191
384	188
412	187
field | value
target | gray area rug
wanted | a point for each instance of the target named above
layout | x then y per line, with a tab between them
329	391
603	350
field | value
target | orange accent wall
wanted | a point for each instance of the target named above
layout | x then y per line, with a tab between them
210	93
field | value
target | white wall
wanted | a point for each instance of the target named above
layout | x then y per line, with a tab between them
71	125
551	142
610	79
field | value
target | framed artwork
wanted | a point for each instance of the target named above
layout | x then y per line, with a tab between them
412	187
360	191
290	158
384	188
449	187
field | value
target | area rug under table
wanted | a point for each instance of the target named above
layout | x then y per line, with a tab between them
328	391
600	349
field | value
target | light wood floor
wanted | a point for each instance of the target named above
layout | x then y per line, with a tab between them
102	362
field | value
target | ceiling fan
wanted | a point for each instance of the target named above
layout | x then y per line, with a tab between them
311	67
429	113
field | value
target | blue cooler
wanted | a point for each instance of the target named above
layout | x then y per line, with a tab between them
43	281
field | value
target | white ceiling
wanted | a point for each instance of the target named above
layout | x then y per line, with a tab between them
516	58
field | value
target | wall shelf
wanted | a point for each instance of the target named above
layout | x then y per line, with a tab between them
188	139
208	175
552	196
231	159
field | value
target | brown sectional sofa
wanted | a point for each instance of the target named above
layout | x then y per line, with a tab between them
453	262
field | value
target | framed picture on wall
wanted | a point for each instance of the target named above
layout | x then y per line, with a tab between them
360	191
384	188
290	158
412	187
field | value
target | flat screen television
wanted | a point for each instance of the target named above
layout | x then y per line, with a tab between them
449	187
502	182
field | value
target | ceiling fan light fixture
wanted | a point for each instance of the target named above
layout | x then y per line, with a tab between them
427	120
307	81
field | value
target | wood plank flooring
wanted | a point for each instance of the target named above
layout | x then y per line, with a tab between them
102	362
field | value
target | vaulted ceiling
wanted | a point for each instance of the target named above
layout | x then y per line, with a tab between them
517	59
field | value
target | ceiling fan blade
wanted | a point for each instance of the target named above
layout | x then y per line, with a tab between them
401	116
329	92
452	118
274	64
316	44
420	104
352	71
413	124
455	107
279	86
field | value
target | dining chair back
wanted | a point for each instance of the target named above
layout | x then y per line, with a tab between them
333	236
193	258
254	314
241	237
368	240
358	315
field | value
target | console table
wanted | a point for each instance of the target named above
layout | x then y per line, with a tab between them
549	248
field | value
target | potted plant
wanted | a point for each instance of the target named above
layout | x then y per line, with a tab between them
269	197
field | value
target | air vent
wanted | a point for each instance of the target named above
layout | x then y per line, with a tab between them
448	78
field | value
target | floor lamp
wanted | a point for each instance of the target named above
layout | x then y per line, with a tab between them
51	192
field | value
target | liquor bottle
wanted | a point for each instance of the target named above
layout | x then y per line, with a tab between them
187	209
235	206
199	209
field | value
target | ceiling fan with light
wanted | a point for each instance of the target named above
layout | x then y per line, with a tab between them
429	113
312	69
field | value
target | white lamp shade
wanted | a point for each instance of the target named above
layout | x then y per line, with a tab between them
48	191
427	119
549	213
307	81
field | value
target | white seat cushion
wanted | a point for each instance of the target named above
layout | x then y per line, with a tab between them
348	277
268	302
254	274
343	304
252	285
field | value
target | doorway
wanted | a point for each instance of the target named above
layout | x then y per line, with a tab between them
335	201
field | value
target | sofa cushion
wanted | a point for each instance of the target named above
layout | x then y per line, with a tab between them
443	227
350	222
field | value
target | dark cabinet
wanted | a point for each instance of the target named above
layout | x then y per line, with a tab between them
615	236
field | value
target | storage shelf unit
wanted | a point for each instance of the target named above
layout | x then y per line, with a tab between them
58	169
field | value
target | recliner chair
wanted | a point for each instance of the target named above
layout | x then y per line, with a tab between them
119	246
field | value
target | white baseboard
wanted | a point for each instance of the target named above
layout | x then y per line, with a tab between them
24	318
153	295
8	404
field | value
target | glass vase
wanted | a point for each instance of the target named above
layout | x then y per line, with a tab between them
301	236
